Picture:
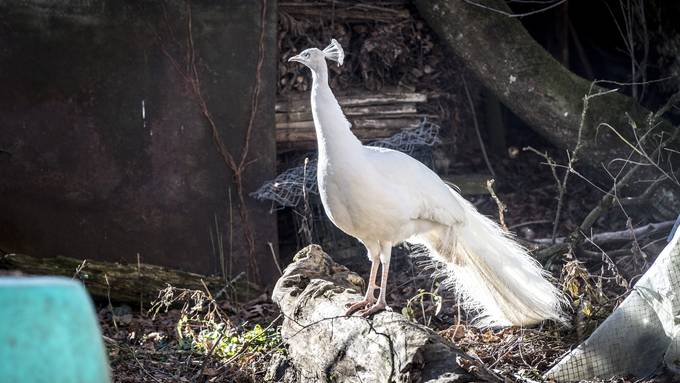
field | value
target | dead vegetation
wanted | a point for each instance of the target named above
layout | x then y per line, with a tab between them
188	336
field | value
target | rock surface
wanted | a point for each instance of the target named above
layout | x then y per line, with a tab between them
326	346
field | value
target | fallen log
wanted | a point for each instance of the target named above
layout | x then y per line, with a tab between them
325	346
118	282
602	239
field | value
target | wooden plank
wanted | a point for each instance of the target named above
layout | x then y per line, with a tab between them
296	104
372	111
381	99
385	123
355	12
395	124
291	135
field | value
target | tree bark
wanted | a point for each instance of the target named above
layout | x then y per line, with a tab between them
527	79
326	346
115	281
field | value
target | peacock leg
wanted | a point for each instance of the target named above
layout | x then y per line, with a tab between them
369	299
381	304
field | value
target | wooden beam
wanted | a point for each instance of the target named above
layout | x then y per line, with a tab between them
365	129
375	111
301	104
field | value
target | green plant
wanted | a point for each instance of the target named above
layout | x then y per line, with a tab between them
433	298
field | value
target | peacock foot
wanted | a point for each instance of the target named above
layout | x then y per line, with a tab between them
356	306
376	308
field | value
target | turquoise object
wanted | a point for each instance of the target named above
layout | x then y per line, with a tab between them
49	332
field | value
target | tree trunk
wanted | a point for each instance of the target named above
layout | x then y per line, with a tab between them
326	346
115	281
527	79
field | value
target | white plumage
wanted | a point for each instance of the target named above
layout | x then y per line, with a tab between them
383	197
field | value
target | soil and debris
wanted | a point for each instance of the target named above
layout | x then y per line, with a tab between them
187	336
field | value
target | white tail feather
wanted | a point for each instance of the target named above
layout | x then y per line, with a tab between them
494	275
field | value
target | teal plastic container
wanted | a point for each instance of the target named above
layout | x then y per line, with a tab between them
49	332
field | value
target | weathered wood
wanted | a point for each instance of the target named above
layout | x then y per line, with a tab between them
373	111
469	184
365	134
126	283
326	346
357	12
360	123
373	116
364	129
301	103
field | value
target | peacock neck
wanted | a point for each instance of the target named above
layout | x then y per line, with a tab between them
333	133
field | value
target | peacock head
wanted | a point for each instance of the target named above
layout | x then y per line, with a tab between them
314	58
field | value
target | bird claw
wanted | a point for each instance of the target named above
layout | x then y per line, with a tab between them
376	308
356	306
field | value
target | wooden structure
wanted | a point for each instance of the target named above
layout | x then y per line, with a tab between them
373	115
106	151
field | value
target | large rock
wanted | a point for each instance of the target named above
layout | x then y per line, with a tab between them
326	346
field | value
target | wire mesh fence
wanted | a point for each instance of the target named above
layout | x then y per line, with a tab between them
289	187
640	336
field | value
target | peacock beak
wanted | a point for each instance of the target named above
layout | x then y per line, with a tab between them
295	58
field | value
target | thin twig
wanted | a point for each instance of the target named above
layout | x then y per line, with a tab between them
509	14
208	356
501	206
529	223
306	221
79	269
108	296
246	344
476	125
141	284
275	258
141	366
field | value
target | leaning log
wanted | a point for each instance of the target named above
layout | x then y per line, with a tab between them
326	346
123	283
499	51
